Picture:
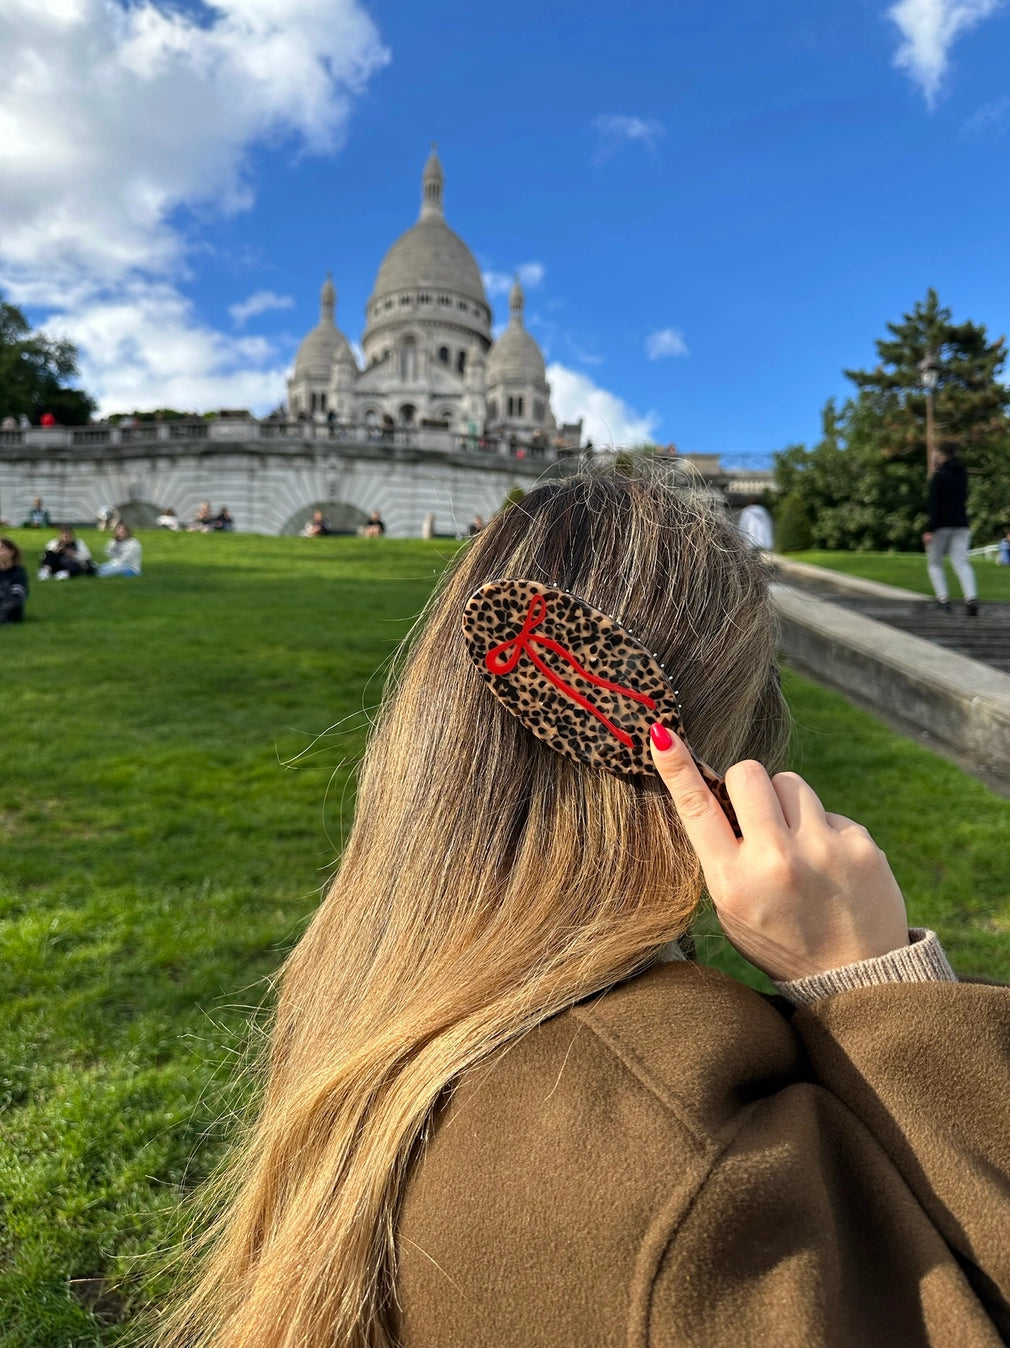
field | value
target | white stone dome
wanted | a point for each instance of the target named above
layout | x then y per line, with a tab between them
515	356
325	343
429	254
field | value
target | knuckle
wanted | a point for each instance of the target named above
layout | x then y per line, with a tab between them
779	869
694	803
748	769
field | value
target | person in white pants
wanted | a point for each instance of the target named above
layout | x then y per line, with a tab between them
948	532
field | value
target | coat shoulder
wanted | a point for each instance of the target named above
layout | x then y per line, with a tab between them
702	1042
560	1152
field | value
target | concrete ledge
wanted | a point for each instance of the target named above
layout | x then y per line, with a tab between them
962	703
837	580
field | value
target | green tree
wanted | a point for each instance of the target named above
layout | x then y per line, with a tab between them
34	370
792	527
864	484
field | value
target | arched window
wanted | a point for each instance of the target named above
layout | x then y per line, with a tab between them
461	362
408	359
443	355
314	402
407	413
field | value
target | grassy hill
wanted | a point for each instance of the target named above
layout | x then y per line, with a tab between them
908	570
176	756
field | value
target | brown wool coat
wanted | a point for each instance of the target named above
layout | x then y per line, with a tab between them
684	1162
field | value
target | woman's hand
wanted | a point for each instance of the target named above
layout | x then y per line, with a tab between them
802	891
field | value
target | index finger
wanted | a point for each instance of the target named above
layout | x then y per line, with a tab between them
707	828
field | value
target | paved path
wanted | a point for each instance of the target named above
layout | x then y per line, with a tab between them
985	637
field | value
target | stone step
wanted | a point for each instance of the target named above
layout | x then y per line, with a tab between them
986	637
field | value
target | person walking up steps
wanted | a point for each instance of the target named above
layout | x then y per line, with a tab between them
948	531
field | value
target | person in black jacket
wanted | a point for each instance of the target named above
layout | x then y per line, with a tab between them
947	531
13	583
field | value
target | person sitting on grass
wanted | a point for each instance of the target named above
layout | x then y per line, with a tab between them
38	516
66	557
123	552
501	1107
375	527
203	520
13	583
317	526
224	520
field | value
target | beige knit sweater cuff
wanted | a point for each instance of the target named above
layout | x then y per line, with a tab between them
923	961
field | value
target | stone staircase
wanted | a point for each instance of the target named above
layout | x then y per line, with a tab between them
985	637
942	678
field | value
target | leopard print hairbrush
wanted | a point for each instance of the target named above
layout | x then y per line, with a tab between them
575	677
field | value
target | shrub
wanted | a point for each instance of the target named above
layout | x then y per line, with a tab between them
792	527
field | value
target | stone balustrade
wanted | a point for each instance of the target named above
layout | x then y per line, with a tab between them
242	430
273	473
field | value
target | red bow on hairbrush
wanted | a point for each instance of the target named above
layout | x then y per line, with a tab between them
575	677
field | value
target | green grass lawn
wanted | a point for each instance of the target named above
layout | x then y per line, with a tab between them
908	570
176	757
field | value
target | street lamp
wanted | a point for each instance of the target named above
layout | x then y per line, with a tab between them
929	375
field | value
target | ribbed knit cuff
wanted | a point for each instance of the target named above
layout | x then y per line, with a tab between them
923	961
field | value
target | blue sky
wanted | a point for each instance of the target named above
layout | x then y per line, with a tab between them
717	207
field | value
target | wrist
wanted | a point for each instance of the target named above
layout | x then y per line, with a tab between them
921	960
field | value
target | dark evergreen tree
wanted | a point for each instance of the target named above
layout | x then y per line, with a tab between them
34	373
865	482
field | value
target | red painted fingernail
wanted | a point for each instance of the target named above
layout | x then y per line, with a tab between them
661	737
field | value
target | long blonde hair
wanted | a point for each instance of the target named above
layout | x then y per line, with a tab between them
487	884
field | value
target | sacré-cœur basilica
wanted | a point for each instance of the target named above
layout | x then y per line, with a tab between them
430	355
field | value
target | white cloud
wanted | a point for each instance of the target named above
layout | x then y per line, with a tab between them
585	357
531	274
666	342
615	130
606	418
116	118
991	116
259	303
496	283
929	29
145	347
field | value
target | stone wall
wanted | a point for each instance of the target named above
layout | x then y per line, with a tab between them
270	486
